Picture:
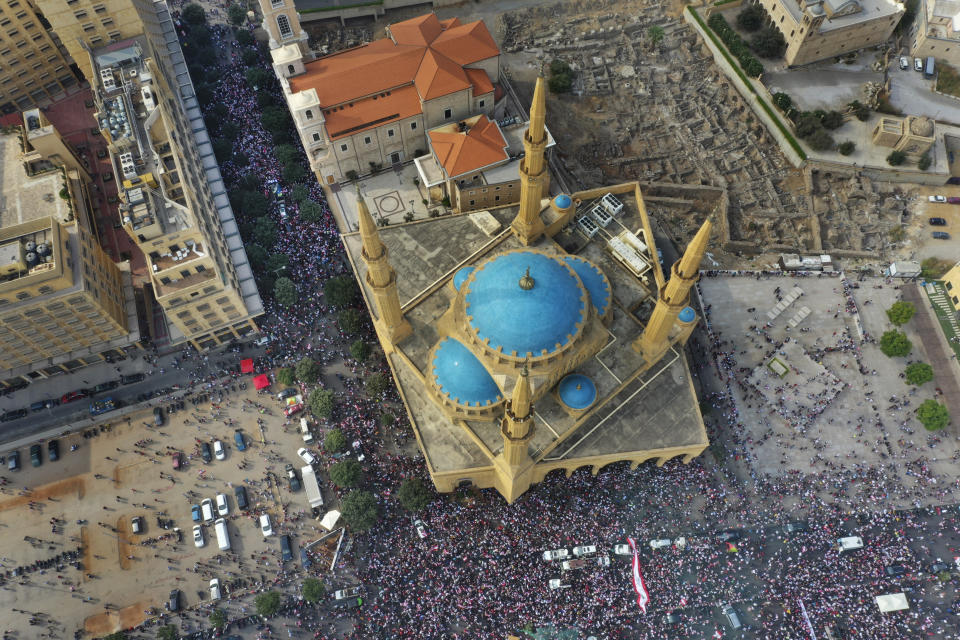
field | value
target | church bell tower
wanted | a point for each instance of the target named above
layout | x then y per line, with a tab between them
282	23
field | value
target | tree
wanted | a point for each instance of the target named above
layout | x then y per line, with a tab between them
254	204
257	77
924	162
313	590
359	350
896	158
846	147
193	14
340	291
308	371
752	67
166	632
277	262
933	415
236	14
257	255
299	193
861	111
832	120
820	140
783	101
223	149
918	373
285	292
245	38
359	509
933	268
901	312
267	603
807	125
377	384
350	321
414	495
218	619
286	153
387	419
334	441
561	76
293	173
249	57
265	231
310	211
655	34
321	403
275	119
751	18
286	377
895	344
769	43
346	473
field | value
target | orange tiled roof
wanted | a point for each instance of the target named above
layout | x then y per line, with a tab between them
426	53
462	152
367	113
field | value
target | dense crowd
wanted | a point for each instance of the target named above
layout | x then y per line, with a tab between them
479	573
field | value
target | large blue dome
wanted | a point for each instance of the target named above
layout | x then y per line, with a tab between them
458	373
577	391
525	320
595	282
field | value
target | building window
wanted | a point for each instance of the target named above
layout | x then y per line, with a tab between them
482	102
99	8
107	22
89	27
309	114
471	203
413	126
276	3
447	113
283	23
80	15
201	268
366	140
291	69
389	133
316	137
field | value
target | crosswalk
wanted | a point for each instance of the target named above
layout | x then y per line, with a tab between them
939	298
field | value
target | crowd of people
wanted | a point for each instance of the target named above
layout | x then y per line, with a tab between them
479	573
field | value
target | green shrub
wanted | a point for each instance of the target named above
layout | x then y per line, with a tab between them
896	158
832	120
846	147
820	141
918	373
924	163
933	415
751	18
894	344
783	101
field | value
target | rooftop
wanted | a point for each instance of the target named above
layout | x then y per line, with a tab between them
23	197
870	10
467	146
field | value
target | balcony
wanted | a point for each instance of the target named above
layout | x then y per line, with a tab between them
183	257
175	286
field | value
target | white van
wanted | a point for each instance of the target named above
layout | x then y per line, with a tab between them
305	431
206	507
223	537
851	543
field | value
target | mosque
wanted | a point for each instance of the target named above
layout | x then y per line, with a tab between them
540	338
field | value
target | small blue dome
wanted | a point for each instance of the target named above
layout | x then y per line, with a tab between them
458	373
461	275
562	201
525	320
595	282
687	315
577	391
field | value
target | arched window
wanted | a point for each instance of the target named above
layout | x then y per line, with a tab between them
309	114
283	23
291	69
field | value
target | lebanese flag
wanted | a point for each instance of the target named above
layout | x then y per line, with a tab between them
638	585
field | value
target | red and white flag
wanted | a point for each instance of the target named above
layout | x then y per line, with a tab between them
638	585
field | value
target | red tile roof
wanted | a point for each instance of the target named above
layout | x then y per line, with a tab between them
462	152
367	113
424	53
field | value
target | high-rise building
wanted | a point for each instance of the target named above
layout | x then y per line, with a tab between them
174	202
35	68
63	302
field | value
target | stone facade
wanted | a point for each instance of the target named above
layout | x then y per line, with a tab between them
934	33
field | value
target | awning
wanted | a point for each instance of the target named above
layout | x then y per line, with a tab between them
261	382
330	520
892	602
246	365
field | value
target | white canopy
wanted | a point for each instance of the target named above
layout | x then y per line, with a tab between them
892	602
330	520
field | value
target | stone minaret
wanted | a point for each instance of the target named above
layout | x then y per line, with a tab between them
282	23
674	295
382	280
533	169
517	424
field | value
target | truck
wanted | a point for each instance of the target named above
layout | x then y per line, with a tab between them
311	486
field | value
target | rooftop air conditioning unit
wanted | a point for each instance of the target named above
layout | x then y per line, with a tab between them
132	73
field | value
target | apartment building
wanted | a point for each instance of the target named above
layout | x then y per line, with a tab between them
936	31
64	303
819	29
364	108
35	67
174	202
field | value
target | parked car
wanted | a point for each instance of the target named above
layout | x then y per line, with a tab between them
558	583
238	438
16	414
602	561
133	378
660	543
13	461
240	493
286	552
198	540
622	550
289	392
215	589
556	554
35	455
177	460
306	456
730	535
158	416
173	604
904	63
351	592
421	528
939	567
937	222
585	550
136	524
289	410
205	452
16	386
953	200
292	478
265	527
796	527
218	451
939	199
895	570
71	396
207	509
105	386
195	513
222	507
53	450
940	235
918	64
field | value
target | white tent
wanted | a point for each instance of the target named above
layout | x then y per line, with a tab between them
892	602
330	520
